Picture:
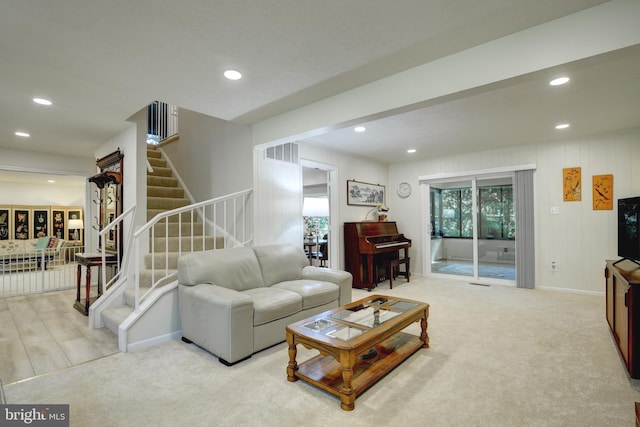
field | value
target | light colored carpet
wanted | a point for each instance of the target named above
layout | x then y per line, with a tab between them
491	271
499	356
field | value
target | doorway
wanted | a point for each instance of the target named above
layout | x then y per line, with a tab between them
472	227
318	210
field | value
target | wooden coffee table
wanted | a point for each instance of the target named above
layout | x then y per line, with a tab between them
359	343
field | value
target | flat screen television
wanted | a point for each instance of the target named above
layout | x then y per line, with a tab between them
628	237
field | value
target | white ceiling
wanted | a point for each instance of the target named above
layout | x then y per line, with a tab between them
602	96
102	61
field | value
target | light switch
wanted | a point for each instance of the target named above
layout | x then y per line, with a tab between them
554	210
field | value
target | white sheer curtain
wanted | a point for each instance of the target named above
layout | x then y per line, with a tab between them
525	236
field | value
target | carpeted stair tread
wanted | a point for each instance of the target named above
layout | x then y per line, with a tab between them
161	191
160	260
166	203
114	316
160	163
175	229
153	153
130	294
159	171
147	278
162	181
187	244
186	216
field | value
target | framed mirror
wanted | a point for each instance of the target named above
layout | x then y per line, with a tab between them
109	197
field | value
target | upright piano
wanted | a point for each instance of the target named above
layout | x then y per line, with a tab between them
369	244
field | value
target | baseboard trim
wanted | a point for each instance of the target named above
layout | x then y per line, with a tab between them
137	346
571	291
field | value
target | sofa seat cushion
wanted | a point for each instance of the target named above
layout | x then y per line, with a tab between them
313	292
271	304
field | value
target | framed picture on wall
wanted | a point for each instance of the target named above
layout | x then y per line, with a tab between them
40	223
572	184
365	194
57	218
4	222
602	192
21	224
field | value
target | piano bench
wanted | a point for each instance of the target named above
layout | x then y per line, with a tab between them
394	269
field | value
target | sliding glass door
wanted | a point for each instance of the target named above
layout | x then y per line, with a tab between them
472	225
452	228
496	229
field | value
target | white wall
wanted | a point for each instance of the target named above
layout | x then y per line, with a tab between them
277	200
45	194
213	157
579	239
31	161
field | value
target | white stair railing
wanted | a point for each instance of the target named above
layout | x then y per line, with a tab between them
227	217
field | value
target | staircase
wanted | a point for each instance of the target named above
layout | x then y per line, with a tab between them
182	233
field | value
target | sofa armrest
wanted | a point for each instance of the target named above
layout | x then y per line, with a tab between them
217	319
342	278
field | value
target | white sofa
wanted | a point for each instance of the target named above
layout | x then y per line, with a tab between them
235	302
21	255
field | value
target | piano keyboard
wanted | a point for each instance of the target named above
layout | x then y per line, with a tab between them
390	244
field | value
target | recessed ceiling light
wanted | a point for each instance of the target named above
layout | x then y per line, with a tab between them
359	128
562	126
51	180
411	150
233	75
22	134
559	81
42	101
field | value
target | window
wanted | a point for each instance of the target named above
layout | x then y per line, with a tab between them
316	224
453	215
497	219
457	219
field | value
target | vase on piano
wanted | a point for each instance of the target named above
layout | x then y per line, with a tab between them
382	216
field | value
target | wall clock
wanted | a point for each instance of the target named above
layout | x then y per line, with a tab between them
404	189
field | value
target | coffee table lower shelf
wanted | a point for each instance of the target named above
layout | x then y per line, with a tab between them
326	372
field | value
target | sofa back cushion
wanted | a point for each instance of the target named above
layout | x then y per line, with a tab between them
232	268
280	263
18	246
43	243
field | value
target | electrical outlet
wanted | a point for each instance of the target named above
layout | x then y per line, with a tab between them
554	266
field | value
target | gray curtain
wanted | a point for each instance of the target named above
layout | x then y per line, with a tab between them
525	241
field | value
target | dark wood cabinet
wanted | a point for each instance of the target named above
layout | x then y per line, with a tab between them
109	199
623	311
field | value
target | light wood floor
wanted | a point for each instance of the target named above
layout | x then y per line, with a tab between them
41	333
